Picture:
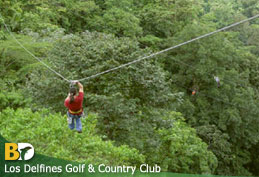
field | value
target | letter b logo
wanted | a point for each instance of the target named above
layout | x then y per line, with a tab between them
20	151
11	152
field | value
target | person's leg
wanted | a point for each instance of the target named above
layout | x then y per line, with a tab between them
72	125
70	121
78	124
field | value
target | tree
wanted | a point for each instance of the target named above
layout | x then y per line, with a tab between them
119	22
124	99
232	107
46	132
76	16
182	151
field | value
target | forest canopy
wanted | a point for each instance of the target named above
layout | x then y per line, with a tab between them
147	112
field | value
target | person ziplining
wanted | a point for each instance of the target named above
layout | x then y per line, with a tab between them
74	103
217	80
193	92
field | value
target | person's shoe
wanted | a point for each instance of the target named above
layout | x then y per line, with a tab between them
79	131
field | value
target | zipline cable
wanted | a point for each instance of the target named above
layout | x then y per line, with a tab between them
140	59
170	48
21	45
134	61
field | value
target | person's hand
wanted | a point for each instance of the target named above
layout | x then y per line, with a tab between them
74	82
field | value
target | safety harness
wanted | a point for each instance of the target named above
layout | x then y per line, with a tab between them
75	112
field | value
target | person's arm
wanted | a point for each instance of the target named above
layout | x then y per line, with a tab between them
67	96
66	100
81	88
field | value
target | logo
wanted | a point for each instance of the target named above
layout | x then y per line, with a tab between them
19	151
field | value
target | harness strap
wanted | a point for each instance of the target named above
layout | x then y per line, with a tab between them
75	112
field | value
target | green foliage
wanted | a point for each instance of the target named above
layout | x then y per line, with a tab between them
158	20
232	107
126	5
76	15
133	103
13	99
145	82
11	12
27	14
168	141
253	40
49	134
117	97
165	18
249	7
15	62
119	22
221	11
150	41
182	151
